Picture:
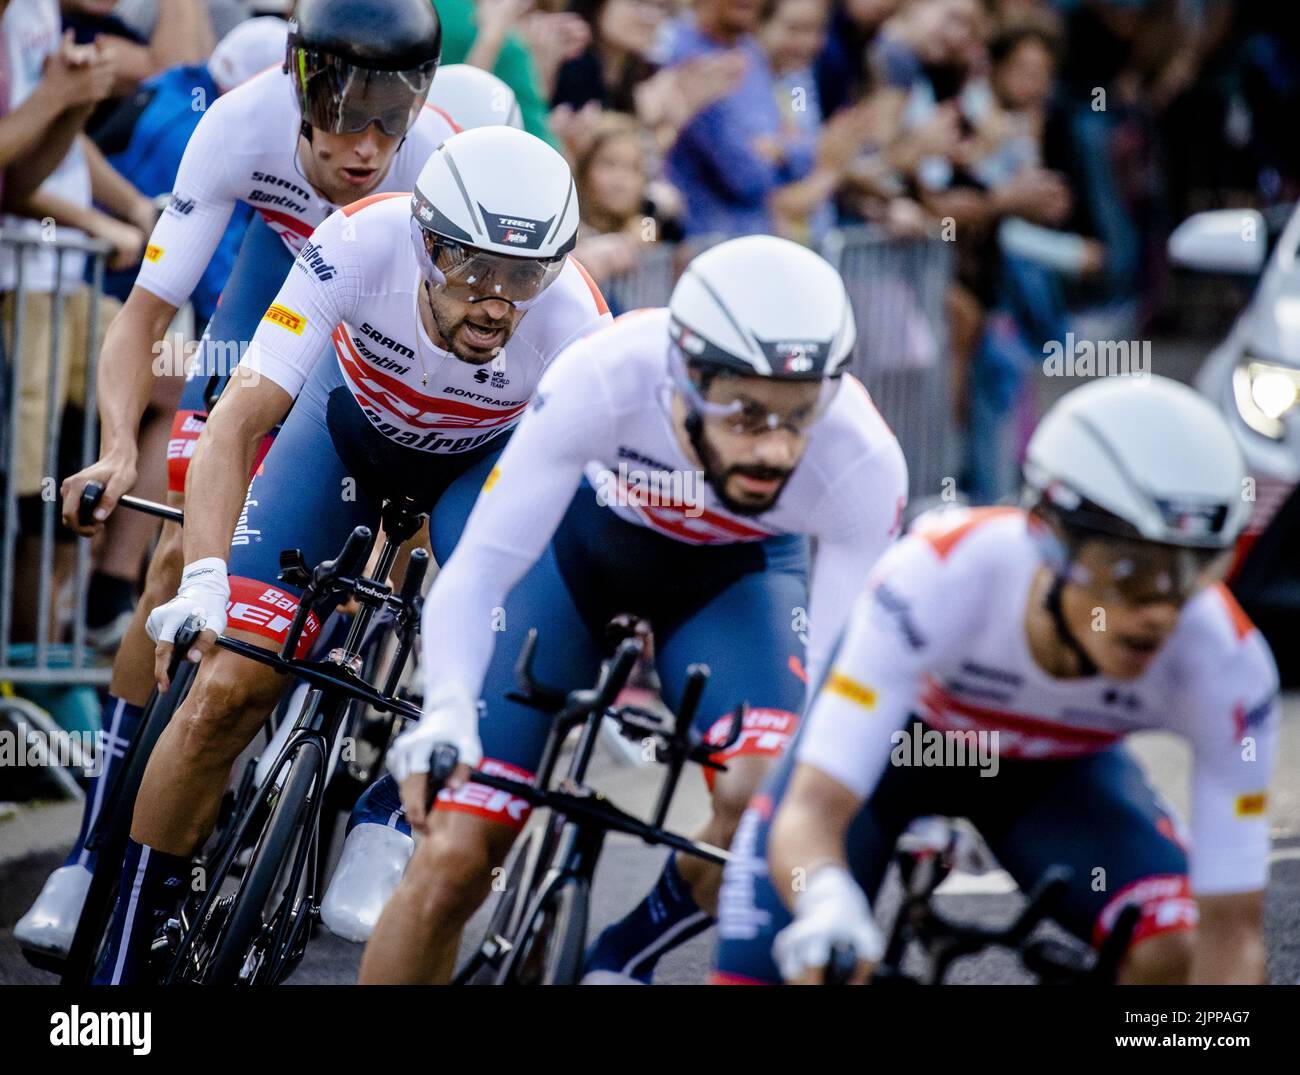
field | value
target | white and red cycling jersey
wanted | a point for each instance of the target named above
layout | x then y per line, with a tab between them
354	293
940	633
602	413
245	149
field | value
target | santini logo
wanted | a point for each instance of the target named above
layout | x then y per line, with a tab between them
75	1027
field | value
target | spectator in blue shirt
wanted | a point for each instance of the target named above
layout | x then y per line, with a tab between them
735	153
146	137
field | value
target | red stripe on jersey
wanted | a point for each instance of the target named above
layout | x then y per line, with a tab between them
938	701
292	223
449	411
370	199
689	522
456	127
602	307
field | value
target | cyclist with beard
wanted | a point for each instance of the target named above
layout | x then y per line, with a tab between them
412	331
706	443
345	117
1046	637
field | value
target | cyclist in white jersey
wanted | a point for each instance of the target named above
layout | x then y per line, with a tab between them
1036	641
381	330
343	118
705	444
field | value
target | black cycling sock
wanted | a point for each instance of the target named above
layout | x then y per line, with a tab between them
152	882
666	918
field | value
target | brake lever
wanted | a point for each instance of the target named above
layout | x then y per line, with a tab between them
442	763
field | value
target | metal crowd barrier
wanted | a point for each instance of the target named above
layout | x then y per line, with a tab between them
897	288
61	656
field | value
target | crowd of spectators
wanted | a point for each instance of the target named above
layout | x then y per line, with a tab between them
1053	142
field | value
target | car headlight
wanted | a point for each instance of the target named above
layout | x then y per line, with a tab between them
1265	394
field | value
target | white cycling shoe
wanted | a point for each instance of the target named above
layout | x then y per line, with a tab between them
373	861
50	923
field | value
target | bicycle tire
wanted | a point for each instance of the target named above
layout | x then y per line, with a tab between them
255	889
101	896
571	904
520	867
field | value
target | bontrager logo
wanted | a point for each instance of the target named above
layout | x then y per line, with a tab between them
75	1027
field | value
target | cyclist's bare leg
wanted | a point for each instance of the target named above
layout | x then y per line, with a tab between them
732	791
417	937
1165	959
133	666
179	797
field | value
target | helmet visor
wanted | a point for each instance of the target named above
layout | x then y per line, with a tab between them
736	409
342	98
468	274
1134	573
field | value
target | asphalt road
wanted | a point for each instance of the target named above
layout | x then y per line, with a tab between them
628	869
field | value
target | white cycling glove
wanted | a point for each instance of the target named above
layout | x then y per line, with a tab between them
831	910
451	717
204	592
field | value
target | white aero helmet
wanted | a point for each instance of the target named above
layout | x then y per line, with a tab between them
1147	458
760	306
249	49
474	98
493	215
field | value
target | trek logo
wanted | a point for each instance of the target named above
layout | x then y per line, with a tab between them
311	258
386	341
180	206
285	318
792	356
516	231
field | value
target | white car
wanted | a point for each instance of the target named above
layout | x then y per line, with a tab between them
1254	377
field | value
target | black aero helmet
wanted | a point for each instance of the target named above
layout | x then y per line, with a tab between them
357	62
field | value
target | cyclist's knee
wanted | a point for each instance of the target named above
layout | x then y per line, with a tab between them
732	792
230	698
450	874
1162	959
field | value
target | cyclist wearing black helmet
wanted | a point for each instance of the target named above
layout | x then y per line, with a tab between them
342	118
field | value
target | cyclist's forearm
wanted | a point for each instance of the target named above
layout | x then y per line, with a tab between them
127	370
217	478
808	832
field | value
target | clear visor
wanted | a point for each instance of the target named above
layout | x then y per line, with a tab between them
1134	573
468	274
342	98
736	407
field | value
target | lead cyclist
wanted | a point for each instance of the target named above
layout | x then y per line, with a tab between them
1036	641
343	118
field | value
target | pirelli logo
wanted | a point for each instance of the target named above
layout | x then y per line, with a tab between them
492	478
855	692
285	318
153	253
1252	804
